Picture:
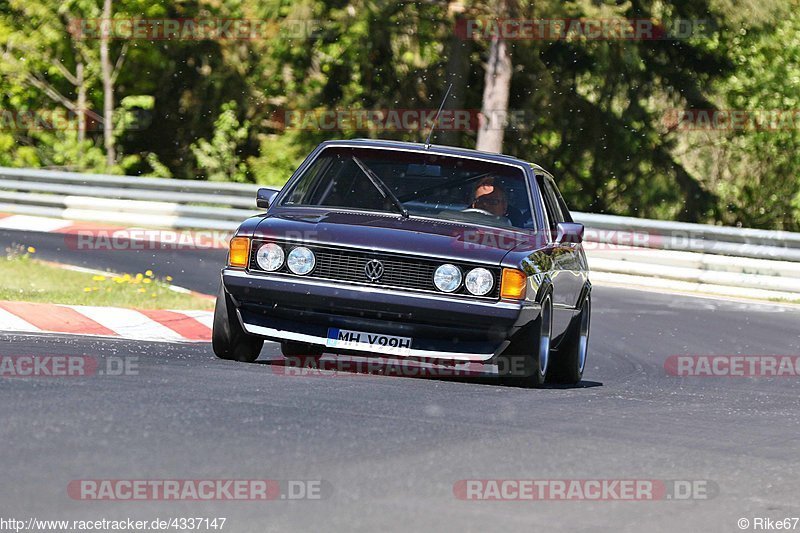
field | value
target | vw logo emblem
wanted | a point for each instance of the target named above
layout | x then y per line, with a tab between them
374	270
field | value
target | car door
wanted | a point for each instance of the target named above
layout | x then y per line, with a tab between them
568	269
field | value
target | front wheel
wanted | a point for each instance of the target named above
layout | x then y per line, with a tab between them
526	360
570	360
228	339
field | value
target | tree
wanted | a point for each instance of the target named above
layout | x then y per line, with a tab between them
219	158
595	107
457	70
496	88
590	110
756	167
62	66
49	60
108	84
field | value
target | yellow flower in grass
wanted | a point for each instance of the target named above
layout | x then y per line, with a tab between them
148	273
87	289
98	278
31	250
146	280
142	290
168	278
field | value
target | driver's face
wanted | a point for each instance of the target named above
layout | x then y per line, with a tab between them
492	199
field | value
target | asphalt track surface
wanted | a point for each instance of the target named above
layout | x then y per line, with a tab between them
390	449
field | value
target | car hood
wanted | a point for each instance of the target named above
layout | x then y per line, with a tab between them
391	233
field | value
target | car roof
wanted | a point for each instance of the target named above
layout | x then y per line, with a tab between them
435	148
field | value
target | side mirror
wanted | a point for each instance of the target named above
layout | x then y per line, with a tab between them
569	233
265	197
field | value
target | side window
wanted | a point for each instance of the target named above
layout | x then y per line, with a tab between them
307	187
562	205
554	215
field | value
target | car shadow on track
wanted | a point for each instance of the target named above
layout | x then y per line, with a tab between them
331	368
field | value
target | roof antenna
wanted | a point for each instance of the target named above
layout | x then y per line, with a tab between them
436	118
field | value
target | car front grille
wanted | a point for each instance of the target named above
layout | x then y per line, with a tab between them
400	272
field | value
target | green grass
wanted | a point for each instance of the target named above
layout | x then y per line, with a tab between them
26	279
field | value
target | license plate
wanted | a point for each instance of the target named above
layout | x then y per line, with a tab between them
362	340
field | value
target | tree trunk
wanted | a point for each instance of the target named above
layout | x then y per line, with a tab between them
108	85
81	104
457	73
497	86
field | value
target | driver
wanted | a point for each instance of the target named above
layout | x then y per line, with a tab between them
490	197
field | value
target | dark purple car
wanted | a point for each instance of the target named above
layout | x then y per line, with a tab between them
433	253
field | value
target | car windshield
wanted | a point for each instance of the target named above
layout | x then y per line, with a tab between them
416	183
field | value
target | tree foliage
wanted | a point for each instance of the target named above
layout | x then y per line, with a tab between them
593	111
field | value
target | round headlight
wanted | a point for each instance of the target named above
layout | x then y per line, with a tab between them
270	257
447	278
479	281
301	260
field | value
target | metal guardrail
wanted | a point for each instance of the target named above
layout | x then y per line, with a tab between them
687	237
688	230
126	199
123	182
204	199
619	241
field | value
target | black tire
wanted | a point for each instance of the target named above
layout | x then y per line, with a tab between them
301	350
525	362
228	339
569	360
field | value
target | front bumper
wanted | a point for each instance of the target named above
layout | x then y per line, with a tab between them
283	307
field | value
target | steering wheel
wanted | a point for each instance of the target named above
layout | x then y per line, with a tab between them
476	210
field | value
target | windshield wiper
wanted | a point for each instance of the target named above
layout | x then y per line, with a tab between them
381	186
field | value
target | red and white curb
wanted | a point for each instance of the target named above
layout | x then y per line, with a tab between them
135	324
